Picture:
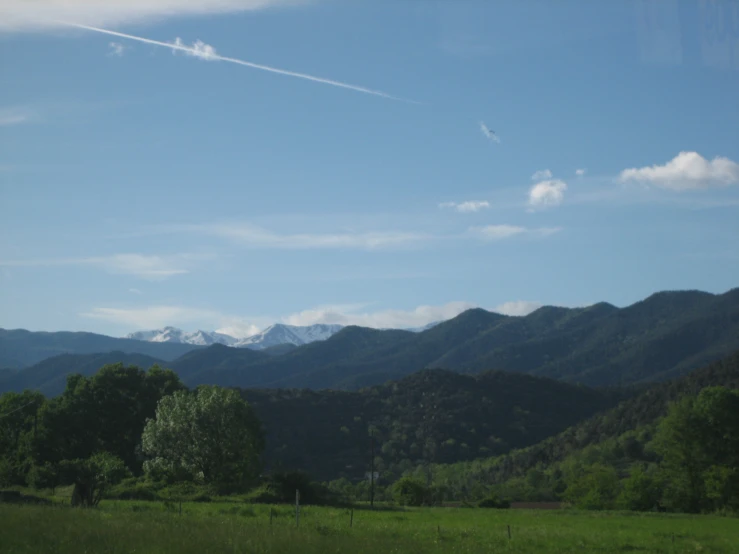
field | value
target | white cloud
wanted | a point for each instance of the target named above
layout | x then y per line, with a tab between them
500	232
517	308
541	175
383	319
134	291
466	207
257	237
157	316
686	171
15	115
206	52
116	49
153	317
154	268
581	172
239	330
25	15
198	50
547	193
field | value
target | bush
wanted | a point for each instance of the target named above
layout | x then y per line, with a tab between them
43	477
408	491
279	488
640	492
187	492
493	501
134	489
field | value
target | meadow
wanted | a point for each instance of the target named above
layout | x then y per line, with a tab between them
239	527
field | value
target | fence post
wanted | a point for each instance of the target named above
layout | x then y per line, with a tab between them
351	518
180	507
271	512
297	508
509	532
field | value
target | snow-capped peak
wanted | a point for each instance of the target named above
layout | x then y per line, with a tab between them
288	334
172	334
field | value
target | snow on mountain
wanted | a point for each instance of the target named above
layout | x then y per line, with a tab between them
424	327
288	334
172	334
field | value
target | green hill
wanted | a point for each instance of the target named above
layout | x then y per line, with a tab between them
50	376
638	412
663	336
28	348
430	416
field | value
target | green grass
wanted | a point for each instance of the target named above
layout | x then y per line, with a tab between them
231	527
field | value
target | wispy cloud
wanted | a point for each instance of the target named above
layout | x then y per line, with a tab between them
580	172
517	307
547	194
25	15
152	317
154	268
257	237
116	49
206	52
162	315
15	115
686	171
488	133
382	319
134	291
501	232
466	207
541	175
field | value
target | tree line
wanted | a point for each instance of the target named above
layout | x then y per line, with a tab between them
131	433
124	422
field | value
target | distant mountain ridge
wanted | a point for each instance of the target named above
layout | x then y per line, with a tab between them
663	336
20	348
274	335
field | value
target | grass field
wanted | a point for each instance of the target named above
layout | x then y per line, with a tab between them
153	527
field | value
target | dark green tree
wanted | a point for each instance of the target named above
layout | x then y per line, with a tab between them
408	491
19	423
596	489
698	437
640	492
106	412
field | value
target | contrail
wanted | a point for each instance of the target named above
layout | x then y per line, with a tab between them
210	54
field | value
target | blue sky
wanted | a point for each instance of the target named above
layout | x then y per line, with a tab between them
142	186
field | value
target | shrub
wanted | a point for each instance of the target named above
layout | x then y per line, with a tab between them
494	501
408	491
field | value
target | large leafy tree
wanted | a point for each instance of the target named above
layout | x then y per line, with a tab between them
18	428
209	434
103	413
699	444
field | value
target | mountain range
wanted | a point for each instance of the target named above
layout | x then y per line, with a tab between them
663	336
273	335
178	336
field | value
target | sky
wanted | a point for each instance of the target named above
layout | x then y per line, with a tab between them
231	164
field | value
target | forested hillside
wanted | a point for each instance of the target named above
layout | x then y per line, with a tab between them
666	335
663	336
50	376
430	416
620	434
